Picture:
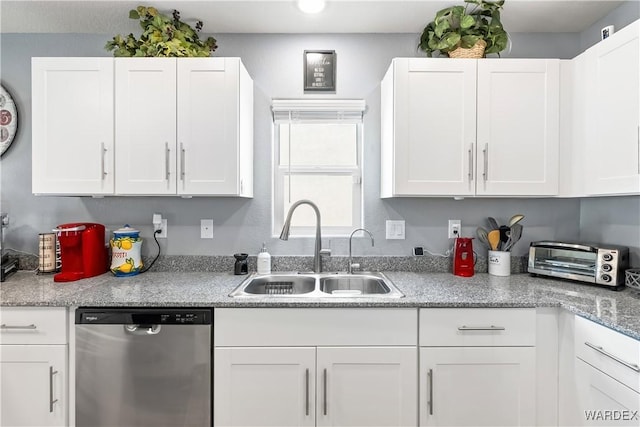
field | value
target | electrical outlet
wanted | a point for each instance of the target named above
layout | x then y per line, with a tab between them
206	229
163	227
454	228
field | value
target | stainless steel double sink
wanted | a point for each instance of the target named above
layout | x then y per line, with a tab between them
317	285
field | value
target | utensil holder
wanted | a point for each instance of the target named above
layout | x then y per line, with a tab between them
499	263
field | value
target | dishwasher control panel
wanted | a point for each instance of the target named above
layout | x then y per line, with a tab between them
148	316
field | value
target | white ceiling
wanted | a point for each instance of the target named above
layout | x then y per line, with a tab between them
282	16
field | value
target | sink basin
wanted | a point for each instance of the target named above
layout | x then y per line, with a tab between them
280	285
322	285
350	284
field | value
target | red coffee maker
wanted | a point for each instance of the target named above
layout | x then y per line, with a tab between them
83	252
463	260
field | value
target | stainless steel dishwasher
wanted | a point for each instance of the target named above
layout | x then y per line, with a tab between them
143	367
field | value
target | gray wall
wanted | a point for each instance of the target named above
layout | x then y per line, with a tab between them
275	63
620	17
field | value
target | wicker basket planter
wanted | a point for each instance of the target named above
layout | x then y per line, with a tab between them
474	52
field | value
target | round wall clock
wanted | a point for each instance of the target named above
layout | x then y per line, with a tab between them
8	120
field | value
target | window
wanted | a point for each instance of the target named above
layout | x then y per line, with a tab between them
318	156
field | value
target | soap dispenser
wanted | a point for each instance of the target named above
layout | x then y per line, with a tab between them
264	260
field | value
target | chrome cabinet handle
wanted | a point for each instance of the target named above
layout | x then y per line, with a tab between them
430	387
167	151
306	396
182	164
51	400
31	326
639	149
324	381
481	328
471	163
485	153
601	350
103	152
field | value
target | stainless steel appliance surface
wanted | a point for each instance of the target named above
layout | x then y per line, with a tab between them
143	367
585	262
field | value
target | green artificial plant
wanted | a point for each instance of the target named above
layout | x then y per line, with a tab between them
161	36
463	26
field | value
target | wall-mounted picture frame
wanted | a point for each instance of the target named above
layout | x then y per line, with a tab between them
319	70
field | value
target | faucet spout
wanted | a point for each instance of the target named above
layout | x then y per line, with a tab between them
351	265
284	235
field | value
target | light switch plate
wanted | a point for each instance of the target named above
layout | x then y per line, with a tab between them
206	229
395	229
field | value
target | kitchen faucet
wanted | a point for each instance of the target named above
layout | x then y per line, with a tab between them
318	252
351	265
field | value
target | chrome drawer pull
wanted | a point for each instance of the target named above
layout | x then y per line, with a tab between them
167	153
430	386
31	326
325	391
306	397
471	163
481	328
631	366
51	400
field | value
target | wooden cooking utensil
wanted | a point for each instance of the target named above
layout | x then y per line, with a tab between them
494	239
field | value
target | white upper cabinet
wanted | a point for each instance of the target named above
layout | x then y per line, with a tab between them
215	127
468	127
145	125
72	131
518	127
613	148
142	126
429	127
184	126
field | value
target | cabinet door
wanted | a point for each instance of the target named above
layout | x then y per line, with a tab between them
264	386
434	121
33	386
518	130
208	126
366	386
72	150
477	386
145	125
603	401
614	148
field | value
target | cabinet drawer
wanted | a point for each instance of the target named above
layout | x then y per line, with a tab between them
33	325
237	327
611	352
477	327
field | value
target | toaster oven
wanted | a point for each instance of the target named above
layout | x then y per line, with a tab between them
592	263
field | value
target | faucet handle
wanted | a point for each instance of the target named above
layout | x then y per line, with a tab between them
354	266
325	252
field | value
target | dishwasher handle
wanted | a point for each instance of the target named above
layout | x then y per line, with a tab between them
142	329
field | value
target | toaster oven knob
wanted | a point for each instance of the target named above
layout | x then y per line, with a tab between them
607	257
606	278
606	267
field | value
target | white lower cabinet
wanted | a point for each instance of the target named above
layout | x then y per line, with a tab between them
264	386
603	401
607	376
477	367
477	386
312	375
280	386
33	367
33	386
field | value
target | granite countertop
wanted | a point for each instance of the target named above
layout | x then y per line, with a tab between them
617	310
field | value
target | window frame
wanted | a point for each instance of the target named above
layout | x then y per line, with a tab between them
288	112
